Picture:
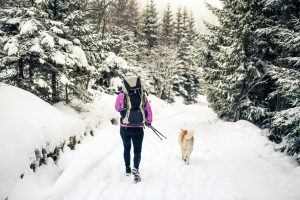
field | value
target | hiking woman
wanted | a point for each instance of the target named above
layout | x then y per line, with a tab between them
135	112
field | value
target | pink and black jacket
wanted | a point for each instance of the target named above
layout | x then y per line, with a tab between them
120	107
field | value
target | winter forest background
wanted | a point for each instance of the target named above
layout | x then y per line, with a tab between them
248	65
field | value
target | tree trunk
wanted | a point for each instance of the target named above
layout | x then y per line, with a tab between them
31	72
54	87
103	28
21	68
104	21
67	95
87	84
21	72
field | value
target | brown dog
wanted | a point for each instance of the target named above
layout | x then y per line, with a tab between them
186	142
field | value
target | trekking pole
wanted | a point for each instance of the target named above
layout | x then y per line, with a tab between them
157	132
149	126
157	135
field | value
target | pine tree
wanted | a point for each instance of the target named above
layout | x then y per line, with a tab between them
178	27
39	55
186	80
185	23
99	15
167	26
162	72
125	15
56	9
124	30
252	68
151	24
278	39
73	17
20	42
135	15
237	83
192	34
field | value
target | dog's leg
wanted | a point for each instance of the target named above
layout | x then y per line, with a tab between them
182	154
187	158
188	155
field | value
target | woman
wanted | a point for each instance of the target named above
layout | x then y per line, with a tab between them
135	112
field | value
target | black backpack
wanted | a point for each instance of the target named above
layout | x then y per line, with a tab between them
134	112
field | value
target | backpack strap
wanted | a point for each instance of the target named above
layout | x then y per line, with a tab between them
129	106
142	105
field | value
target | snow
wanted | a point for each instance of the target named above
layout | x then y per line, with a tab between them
15	20
43	84
112	60
76	41
115	83
36	47
47	40
39	1
230	161
27	123
77	56
59	58
79	53
64	80
287	117
30	12
56	23
64	42
28	27
62	59
11	46
56	30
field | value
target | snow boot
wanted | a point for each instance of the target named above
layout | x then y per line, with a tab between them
136	174
128	171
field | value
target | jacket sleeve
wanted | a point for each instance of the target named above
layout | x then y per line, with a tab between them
119	102
149	111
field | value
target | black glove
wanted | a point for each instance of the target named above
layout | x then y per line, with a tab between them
147	124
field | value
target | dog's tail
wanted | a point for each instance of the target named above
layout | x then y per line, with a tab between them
181	135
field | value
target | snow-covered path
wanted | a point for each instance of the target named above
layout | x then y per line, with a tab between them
230	161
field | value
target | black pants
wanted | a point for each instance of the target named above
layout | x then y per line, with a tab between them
135	135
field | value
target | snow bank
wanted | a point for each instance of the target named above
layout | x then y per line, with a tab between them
27	123
95	114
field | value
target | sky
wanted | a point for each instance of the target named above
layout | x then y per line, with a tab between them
196	6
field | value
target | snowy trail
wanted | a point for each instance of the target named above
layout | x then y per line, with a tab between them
230	161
